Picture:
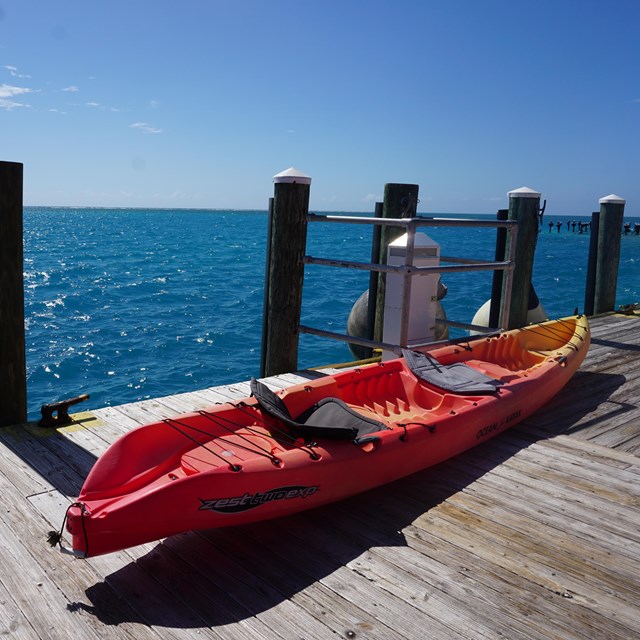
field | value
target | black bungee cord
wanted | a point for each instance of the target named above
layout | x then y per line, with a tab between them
55	537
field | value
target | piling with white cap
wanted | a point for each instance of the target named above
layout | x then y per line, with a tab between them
608	252
284	276
524	206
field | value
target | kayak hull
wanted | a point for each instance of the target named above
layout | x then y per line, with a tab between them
234	464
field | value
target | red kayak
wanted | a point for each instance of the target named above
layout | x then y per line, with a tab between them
275	454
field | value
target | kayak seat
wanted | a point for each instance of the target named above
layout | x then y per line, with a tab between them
455	378
329	418
493	370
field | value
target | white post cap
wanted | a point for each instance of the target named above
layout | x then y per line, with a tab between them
612	199
292	175
524	192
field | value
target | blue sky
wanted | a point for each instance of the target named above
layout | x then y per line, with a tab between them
198	103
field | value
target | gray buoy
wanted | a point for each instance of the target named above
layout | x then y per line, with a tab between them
357	325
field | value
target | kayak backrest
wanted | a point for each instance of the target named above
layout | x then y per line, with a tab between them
455	378
329	418
271	403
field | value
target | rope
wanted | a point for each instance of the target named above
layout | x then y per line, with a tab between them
253	447
551	330
55	537
282	435
170	422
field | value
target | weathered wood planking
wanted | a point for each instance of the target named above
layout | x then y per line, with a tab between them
534	534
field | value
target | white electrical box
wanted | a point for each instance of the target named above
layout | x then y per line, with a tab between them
424	293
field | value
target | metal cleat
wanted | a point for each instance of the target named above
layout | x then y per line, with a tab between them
62	410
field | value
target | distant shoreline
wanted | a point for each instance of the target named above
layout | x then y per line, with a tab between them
547	216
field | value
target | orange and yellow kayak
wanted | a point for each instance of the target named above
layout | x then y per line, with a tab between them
275	454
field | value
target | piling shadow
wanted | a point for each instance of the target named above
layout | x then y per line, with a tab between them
59	460
616	344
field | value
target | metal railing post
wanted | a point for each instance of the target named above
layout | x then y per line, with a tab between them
407	282
408	271
505	307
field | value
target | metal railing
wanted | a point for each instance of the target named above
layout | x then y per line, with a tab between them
409	271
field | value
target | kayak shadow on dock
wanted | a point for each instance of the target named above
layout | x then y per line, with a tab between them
588	402
222	576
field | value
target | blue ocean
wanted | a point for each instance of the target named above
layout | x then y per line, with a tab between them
128	304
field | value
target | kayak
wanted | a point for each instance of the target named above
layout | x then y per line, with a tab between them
278	453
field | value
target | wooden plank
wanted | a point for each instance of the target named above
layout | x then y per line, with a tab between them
13	621
320	537
598	477
497	583
300	562
197	600
48	596
580	448
219	556
529	519
523	556
81	580
66	470
515	476
103	602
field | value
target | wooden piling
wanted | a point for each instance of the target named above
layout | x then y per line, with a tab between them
609	232
13	374
590	285
287	245
400	201
524	207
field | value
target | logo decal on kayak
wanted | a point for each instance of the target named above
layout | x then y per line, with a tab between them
252	500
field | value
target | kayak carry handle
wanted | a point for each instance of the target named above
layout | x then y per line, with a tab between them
62	410
368	439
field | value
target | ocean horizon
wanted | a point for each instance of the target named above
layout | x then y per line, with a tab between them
128	304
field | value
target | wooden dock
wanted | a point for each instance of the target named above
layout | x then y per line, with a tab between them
535	534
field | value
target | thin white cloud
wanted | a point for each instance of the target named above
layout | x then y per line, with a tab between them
145	127
7	92
101	107
71	89
154	104
7	105
14	71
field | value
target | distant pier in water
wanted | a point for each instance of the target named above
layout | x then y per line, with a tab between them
580	227
571	226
